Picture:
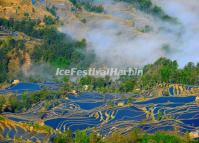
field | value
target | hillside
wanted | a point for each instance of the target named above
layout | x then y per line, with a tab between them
19	9
32	26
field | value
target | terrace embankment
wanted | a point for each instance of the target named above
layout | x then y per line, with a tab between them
18	131
106	114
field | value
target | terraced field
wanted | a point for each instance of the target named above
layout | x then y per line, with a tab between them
29	87
11	130
84	112
111	112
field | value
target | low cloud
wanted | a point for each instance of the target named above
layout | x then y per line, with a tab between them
117	36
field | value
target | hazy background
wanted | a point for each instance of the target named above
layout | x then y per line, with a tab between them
117	39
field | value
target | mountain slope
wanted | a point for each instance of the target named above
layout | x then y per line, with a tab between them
19	9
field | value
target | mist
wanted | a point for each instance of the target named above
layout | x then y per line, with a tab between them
40	72
117	36
187	13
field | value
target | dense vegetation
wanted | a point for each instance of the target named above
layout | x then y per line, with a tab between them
59	50
148	7
89	6
7	48
165	70
162	71
13	103
56	48
132	137
26	26
52	10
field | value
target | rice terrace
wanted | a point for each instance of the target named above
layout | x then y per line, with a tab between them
106	113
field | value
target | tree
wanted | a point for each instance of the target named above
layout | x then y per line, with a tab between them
160	115
48	20
65	137
15	104
145	4
60	138
52	10
128	85
2	102
130	100
81	137
87	80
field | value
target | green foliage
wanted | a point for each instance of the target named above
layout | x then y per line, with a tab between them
134	136
3	65
2	118
93	8
6	47
128	85
115	138
97	83
41	95
94	138
89	6
26	26
48	20
81	137
59	50
160	115
145	4
111	103
139	137
65	137
52	10
56	48
2	102
161	71
130	100
26	14
148	7
165	92
87	80
163	138
24	96
15	104
61	62
26	100
165	70
188	75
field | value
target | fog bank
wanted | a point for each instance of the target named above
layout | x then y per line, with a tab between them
124	36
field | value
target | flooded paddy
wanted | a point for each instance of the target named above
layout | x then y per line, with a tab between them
95	112
110	112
